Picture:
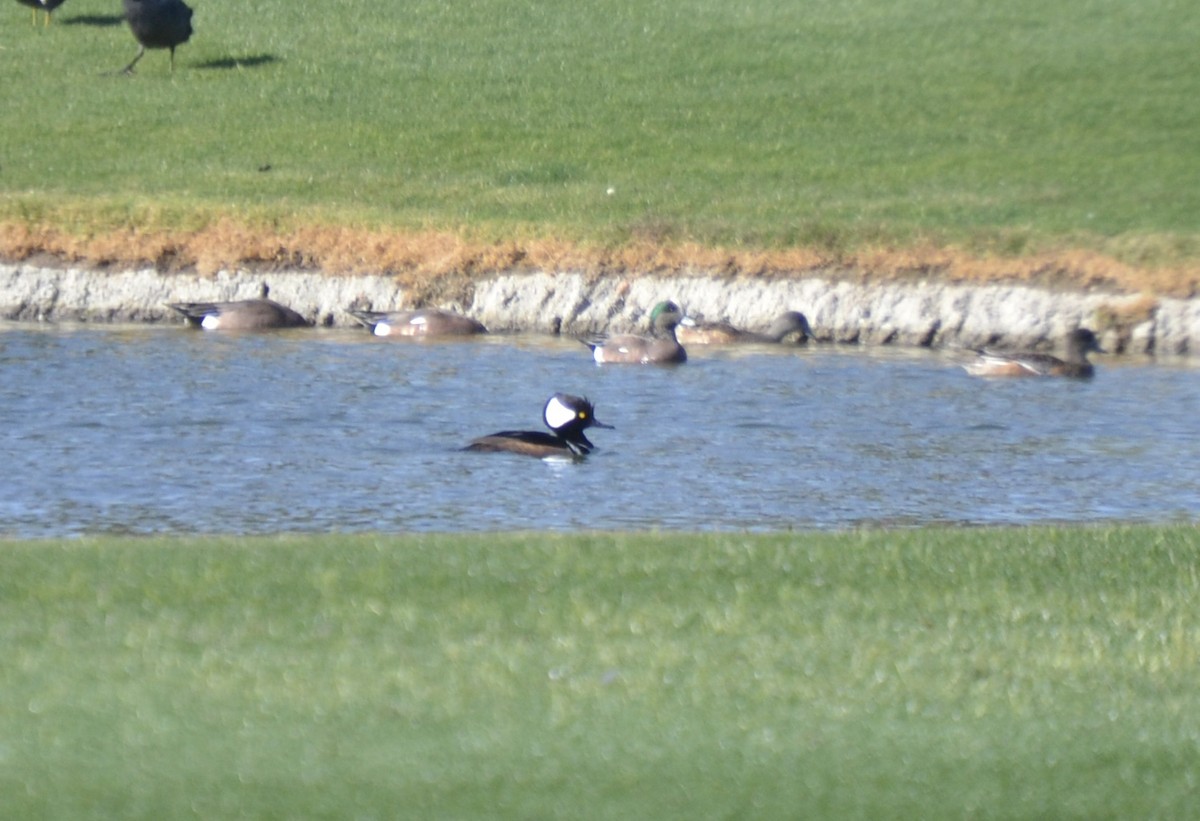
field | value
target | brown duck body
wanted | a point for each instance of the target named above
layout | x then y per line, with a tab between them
536	443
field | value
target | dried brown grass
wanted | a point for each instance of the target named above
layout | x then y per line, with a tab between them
436	261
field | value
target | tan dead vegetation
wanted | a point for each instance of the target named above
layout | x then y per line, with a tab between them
1126	312
438	264
1122	316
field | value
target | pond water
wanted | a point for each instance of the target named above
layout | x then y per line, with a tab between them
162	430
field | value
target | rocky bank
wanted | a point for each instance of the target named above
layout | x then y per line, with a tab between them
919	313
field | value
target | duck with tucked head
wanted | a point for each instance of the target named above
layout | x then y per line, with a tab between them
425	322
694	331
243	315
567	417
1075	363
661	347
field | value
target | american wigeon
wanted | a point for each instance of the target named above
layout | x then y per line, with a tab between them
423	322
244	315
567	417
157	24
694	331
661	347
1079	343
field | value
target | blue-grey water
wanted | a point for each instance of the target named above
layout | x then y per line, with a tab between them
162	430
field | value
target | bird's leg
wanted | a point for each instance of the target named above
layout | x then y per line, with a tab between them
129	68
172	59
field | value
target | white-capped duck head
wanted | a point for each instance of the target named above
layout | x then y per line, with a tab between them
566	416
661	347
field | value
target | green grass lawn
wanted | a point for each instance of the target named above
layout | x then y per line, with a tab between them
948	673
767	123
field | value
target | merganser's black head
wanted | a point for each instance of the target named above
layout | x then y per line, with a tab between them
569	416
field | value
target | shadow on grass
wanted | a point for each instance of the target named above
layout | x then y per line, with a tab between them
95	20
239	62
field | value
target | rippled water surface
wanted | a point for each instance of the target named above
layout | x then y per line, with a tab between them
162	430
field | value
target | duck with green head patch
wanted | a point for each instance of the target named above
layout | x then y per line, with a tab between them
661	347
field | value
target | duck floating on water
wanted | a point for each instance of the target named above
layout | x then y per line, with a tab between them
694	331
243	315
661	347
424	322
1079	343
566	415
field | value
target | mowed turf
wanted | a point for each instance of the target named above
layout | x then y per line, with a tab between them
769	123
950	673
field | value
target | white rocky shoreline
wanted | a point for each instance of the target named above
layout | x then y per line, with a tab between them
914	314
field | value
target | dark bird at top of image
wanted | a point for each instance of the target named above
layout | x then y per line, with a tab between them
47	6
157	24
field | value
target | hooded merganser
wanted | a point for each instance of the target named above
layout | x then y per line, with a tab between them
692	331
660	347
423	322
244	315
1079	343
567	417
